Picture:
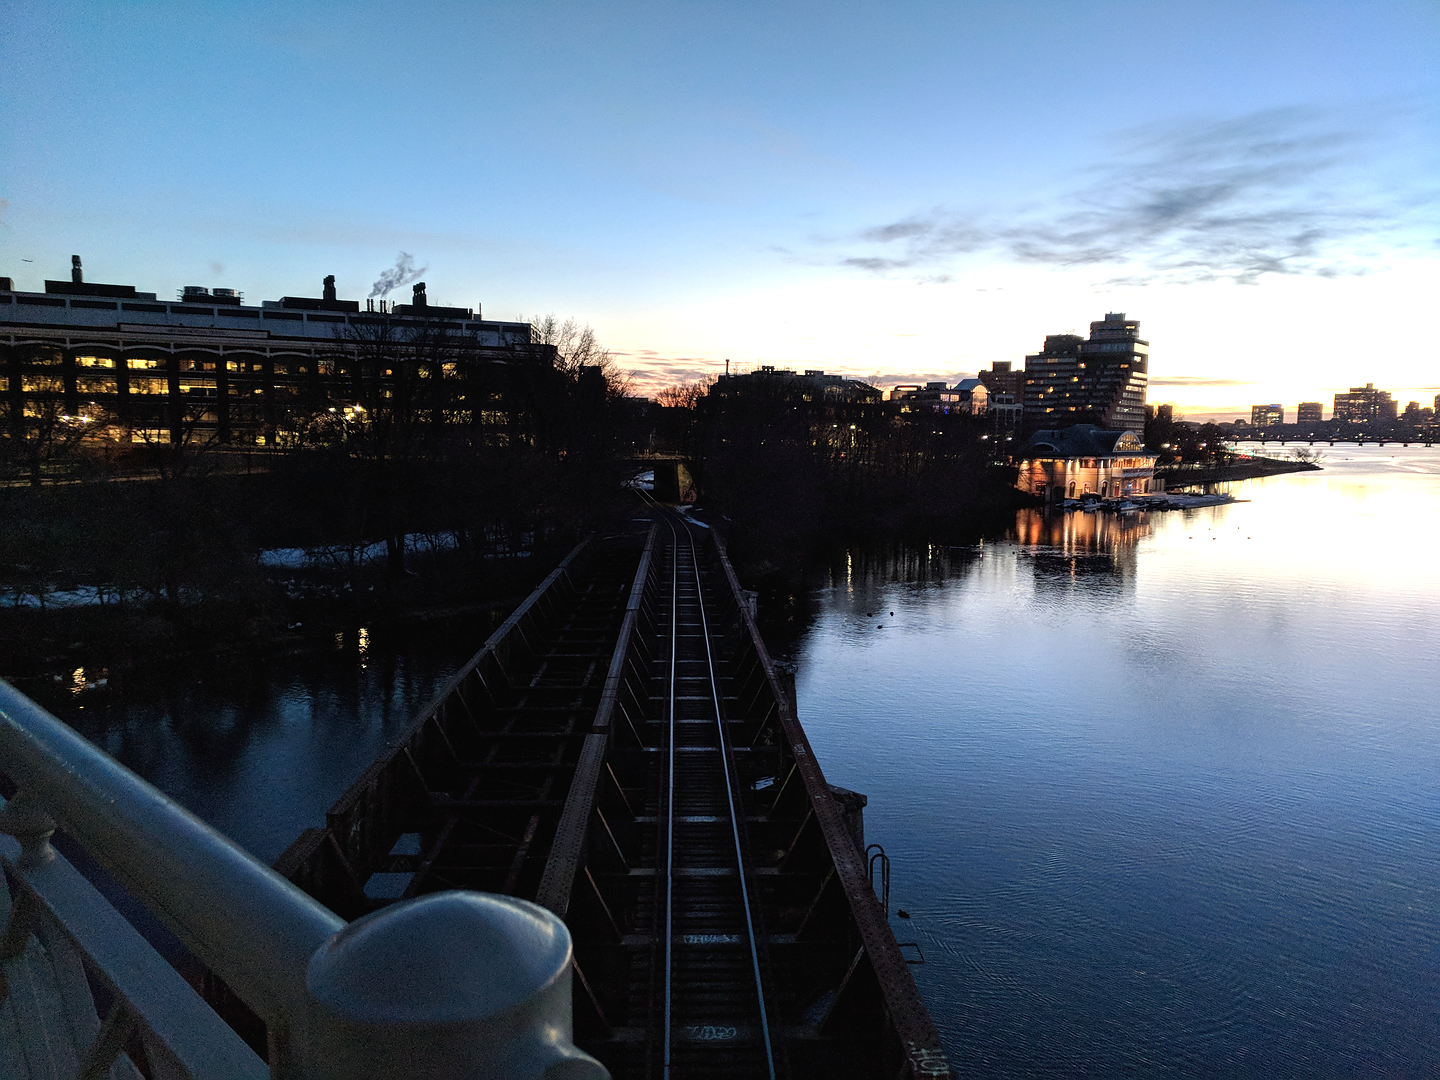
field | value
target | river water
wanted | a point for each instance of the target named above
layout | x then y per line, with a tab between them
1162	791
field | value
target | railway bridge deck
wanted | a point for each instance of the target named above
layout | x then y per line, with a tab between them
622	753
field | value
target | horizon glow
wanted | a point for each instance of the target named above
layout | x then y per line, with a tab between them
818	186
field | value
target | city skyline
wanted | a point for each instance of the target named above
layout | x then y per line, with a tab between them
824	188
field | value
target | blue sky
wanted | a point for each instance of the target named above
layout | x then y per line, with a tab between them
899	191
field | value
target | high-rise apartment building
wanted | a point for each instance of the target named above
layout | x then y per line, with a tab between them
1002	379
1365	404
1097	381
1309	412
1005	397
1263	416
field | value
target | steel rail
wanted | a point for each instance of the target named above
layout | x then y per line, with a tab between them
725	754
734	820
670	791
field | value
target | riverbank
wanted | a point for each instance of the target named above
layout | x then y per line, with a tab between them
1250	468
183	571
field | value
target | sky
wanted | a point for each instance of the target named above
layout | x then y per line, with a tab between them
899	192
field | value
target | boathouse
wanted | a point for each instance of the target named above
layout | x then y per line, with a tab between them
1069	463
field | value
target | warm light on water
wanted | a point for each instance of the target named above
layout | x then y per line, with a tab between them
1162	793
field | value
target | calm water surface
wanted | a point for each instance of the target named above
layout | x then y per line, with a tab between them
1161	792
261	752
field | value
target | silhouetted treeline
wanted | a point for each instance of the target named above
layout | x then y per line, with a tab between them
790	472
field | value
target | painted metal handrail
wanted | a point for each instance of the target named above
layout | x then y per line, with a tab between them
55	914
459	985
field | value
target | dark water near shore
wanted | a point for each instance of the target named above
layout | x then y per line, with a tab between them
261	751
1162	792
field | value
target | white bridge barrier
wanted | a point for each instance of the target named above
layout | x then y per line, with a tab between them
450	986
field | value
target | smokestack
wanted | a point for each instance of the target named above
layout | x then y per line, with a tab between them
329	293
76	274
419	294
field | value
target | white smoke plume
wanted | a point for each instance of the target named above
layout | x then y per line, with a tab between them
402	273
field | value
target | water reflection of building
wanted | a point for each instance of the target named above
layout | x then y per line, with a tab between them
1085	460
1080	532
870	567
1063	549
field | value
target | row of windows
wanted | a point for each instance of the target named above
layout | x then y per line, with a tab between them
449	369
145	363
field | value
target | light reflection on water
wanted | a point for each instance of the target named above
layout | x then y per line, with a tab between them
262	751
1160	791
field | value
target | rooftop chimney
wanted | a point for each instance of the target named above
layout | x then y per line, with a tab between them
329	293
76	274
419	291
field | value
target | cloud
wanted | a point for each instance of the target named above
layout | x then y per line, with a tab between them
652	371
402	273
1275	192
1189	381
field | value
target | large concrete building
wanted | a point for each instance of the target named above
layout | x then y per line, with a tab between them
1264	416
207	362
1365	404
1309	412
1100	381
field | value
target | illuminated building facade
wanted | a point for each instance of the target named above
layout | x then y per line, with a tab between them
159	370
1365	404
1100	380
966	396
1309	412
1069	463
1005	397
1264	416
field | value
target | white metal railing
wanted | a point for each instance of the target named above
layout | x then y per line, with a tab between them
451	985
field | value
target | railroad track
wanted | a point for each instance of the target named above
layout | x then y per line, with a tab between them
715	1007
622	752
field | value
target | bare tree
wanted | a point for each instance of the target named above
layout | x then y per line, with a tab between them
180	448
385	429
687	395
41	439
577	347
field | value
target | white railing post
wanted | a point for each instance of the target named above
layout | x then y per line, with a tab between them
455	986
451	986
